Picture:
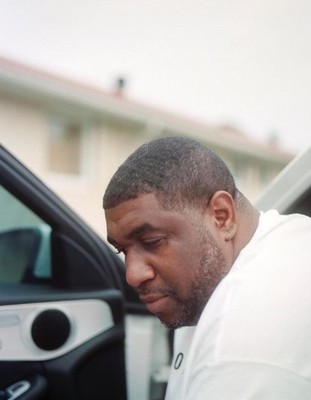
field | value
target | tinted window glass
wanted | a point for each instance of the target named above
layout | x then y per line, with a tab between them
24	242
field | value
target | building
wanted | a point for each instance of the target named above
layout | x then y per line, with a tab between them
75	136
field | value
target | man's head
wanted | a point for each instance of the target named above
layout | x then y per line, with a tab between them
170	209
178	170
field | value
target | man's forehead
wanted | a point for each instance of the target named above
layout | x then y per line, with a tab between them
132	212
137	216
141	203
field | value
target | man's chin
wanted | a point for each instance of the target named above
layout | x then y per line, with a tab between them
176	323
170	323
183	321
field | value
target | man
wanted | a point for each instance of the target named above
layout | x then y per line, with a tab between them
236	282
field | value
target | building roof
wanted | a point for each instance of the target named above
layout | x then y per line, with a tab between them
28	82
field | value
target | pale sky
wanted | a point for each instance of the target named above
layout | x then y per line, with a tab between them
239	62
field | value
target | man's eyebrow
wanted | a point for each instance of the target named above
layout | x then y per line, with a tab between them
146	227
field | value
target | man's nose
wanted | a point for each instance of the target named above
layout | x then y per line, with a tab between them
138	269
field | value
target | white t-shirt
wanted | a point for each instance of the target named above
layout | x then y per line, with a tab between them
253	340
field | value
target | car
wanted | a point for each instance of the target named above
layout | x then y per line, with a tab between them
290	191
70	326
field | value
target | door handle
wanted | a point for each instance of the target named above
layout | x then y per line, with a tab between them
31	389
14	391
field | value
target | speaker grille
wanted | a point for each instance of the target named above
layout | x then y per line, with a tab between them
50	329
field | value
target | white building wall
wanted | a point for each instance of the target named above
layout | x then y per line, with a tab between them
24	130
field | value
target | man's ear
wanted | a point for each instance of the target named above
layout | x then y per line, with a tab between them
222	212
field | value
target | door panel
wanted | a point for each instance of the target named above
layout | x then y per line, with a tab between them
86	363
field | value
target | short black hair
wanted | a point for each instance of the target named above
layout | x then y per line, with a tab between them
180	171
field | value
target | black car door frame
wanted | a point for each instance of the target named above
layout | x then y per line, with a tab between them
86	275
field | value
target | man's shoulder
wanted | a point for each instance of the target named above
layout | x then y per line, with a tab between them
277	227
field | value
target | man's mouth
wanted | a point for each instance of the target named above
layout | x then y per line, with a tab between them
155	302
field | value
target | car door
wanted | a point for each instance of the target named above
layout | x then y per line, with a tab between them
290	191
61	298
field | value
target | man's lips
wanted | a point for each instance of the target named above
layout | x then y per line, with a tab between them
150	298
154	302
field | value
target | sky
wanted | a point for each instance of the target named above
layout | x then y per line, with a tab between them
234	62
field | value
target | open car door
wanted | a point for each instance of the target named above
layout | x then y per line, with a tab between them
61	298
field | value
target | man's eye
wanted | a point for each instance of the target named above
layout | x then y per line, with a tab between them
151	243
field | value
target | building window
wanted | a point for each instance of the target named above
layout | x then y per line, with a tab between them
65	147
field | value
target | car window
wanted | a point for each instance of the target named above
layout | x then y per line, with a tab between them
24	242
